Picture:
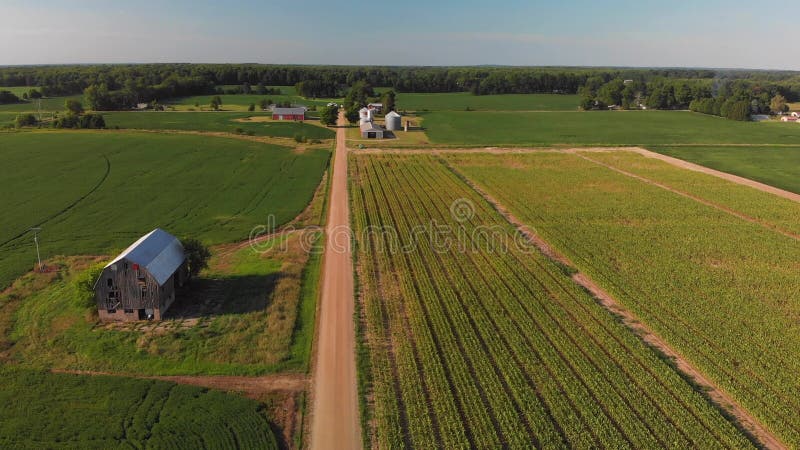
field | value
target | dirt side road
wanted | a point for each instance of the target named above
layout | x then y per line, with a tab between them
334	414
724	175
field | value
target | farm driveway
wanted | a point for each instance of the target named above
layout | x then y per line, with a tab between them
335	421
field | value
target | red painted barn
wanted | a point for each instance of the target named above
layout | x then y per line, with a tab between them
289	114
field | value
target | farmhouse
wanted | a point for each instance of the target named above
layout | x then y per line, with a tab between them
377	107
289	114
371	131
140	283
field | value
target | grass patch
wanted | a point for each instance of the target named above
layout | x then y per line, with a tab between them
600	128
214	121
303	336
460	101
241	102
48	104
250	313
775	166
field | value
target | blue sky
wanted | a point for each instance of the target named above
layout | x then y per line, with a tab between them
707	33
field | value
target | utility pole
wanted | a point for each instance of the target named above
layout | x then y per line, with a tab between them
36	231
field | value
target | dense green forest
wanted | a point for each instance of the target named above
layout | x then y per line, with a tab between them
109	87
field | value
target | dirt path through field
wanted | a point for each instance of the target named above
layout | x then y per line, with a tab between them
725	176
335	414
252	387
702	201
719	396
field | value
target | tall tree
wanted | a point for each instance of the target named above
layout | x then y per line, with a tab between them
778	104
328	115
351	113
73	106
388	100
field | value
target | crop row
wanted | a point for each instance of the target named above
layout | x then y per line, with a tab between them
720	289
45	410
473	346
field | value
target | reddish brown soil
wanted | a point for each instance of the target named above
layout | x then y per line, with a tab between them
334	414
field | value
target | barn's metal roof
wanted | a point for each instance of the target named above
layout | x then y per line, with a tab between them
159	252
287	111
369	126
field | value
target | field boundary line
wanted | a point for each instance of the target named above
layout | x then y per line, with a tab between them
717	395
719	174
251	387
702	201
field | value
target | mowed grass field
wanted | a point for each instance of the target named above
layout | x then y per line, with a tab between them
44	410
96	192
599	128
471	338
48	105
459	101
775	166
712	268
225	122
240	102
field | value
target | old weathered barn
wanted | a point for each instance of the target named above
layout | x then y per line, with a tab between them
289	114
140	283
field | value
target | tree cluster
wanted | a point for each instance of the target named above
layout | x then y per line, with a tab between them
328	115
88	121
7	97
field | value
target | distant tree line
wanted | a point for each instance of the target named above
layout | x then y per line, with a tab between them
734	99
122	86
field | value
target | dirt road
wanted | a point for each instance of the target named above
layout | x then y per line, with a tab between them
335	422
252	387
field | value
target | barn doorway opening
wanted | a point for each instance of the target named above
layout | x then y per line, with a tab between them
142	315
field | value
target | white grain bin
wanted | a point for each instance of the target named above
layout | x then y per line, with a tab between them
366	115
394	121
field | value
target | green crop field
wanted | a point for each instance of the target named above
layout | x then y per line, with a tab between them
96	192
511	102
44	410
660	128
776	166
473	339
214	121
712	268
240	102
48	105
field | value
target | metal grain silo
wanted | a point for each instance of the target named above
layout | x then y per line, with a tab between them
394	121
